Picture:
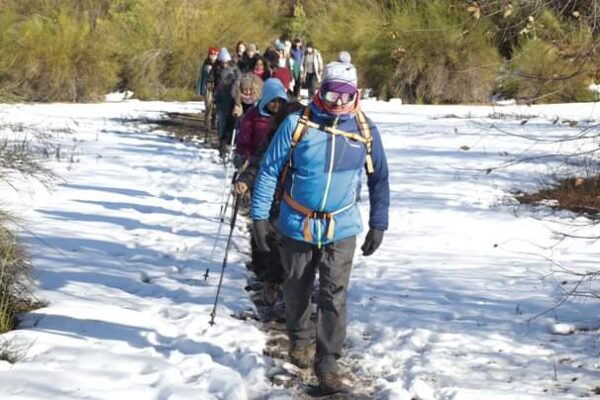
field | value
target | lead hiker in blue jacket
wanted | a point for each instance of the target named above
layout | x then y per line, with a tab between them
313	166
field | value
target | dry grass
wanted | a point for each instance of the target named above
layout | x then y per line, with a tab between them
15	277
580	195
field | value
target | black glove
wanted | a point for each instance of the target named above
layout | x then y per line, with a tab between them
372	242
238	161
260	230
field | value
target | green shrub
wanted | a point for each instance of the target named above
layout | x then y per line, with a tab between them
438	51
429	52
162	43
552	64
72	50
444	55
357	38
56	57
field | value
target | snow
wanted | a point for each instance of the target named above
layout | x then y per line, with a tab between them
119	96
459	303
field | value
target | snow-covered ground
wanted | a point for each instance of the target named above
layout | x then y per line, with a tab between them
457	304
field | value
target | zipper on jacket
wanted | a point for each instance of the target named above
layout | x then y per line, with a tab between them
292	185
329	174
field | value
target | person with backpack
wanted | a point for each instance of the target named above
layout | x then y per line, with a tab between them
246	92
261	69
249	58
225	62
296	56
224	103
254	125
313	165
278	67
205	86
253	132
240	49
312	69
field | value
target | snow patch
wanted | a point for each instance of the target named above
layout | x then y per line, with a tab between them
118	96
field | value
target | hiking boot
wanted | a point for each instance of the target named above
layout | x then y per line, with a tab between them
302	357
332	382
269	293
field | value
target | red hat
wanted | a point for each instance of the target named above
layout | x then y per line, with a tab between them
213	50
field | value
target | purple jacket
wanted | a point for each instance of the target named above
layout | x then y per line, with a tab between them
254	129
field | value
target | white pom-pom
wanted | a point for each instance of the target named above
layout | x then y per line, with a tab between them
345	57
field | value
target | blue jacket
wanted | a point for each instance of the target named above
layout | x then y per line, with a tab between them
325	177
272	89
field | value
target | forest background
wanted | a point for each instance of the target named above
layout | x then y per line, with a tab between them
427	52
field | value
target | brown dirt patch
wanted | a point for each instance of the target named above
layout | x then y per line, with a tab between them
580	195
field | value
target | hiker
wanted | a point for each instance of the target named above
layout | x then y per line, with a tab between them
260	69
255	122
296	54
240	49
205	86
224	59
224	103
246	92
316	159
278	67
289	64
254	130
312	69
249	58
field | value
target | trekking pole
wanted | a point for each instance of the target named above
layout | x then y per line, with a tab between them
236	206
227	169
233	179
212	252
217	238
206	120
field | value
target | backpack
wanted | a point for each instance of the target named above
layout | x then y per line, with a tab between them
301	128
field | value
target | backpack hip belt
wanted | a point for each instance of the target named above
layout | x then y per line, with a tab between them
320	215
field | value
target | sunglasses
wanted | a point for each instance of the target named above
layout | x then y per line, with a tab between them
333	97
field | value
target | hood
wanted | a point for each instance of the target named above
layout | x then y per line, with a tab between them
272	89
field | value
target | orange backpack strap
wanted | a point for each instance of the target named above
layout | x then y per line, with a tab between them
301	128
365	131
299	131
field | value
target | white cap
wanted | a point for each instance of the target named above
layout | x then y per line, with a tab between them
340	74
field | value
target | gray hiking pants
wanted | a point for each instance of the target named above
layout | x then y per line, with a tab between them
300	262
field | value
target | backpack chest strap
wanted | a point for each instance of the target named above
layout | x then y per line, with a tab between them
338	132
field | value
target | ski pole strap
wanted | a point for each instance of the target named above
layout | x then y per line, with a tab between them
310	214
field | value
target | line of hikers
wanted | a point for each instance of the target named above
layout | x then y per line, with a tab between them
302	167
230	84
